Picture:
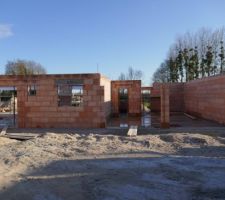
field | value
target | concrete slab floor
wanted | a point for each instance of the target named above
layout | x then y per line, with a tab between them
153	120
181	120
125	121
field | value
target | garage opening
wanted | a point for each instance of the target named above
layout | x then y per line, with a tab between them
8	106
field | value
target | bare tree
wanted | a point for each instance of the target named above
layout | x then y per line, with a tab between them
122	76
132	74
162	74
23	67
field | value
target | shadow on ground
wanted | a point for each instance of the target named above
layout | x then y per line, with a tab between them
213	131
122	178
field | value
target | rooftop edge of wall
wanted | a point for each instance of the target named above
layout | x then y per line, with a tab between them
83	75
126	81
218	76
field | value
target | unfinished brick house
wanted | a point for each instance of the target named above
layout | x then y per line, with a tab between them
72	100
203	98
89	100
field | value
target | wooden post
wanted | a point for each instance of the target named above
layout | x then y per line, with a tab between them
165	106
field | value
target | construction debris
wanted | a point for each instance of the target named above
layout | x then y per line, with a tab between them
3	132
132	131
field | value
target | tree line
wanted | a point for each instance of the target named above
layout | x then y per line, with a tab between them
24	67
193	56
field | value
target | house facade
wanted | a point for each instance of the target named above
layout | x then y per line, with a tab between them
67	100
89	100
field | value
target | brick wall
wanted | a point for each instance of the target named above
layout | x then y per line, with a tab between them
203	98
165	105
155	98
43	111
134	96
176	97
155	90
206	98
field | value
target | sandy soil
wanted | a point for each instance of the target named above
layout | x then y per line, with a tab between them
108	167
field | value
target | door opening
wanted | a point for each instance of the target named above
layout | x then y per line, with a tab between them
123	101
8	106
146	101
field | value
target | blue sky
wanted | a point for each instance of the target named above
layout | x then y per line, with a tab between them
72	36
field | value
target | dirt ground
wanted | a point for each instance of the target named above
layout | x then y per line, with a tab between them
111	167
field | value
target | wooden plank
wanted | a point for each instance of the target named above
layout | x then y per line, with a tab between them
132	131
21	136
190	116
